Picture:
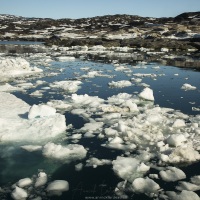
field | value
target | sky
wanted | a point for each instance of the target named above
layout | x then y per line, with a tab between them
90	8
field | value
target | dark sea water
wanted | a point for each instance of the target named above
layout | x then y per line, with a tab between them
100	182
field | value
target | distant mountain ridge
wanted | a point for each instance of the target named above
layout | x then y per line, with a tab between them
185	16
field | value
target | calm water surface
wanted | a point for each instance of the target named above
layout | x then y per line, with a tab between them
101	181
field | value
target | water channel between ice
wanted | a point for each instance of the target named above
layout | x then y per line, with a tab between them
98	79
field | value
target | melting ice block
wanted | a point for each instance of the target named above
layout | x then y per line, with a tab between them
37	111
14	67
15	125
19	194
147	94
57	187
129	168
184	195
67	153
41	180
24	182
187	86
172	174
145	185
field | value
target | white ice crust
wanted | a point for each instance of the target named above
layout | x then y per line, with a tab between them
15	111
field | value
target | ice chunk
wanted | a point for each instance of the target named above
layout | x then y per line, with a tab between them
14	67
57	187
14	126
172	174
195	180
145	185
19	194
178	123
79	167
24	182
120	84
129	168
187	86
94	162
67	153
37	111
185	154
41	179
176	139
68	86
65	58
116	140
9	88
187	186
184	195
132	106
92	127
147	94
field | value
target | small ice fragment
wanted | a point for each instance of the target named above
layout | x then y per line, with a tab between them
19	194
147	94
57	187
145	185
172	174
24	182
41	180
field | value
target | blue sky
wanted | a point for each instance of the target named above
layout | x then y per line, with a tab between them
90	8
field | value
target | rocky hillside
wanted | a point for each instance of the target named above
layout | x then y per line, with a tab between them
181	33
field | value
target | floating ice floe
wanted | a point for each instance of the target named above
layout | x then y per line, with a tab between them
120	84
65	58
24	182
16	126
68	86
147	94
186	195
31	148
9	88
57	187
145	185
172	174
39	111
187	186
15	67
19	194
187	86
94	162
67	153
129	168
41	179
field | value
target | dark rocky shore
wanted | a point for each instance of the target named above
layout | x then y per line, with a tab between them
171	40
